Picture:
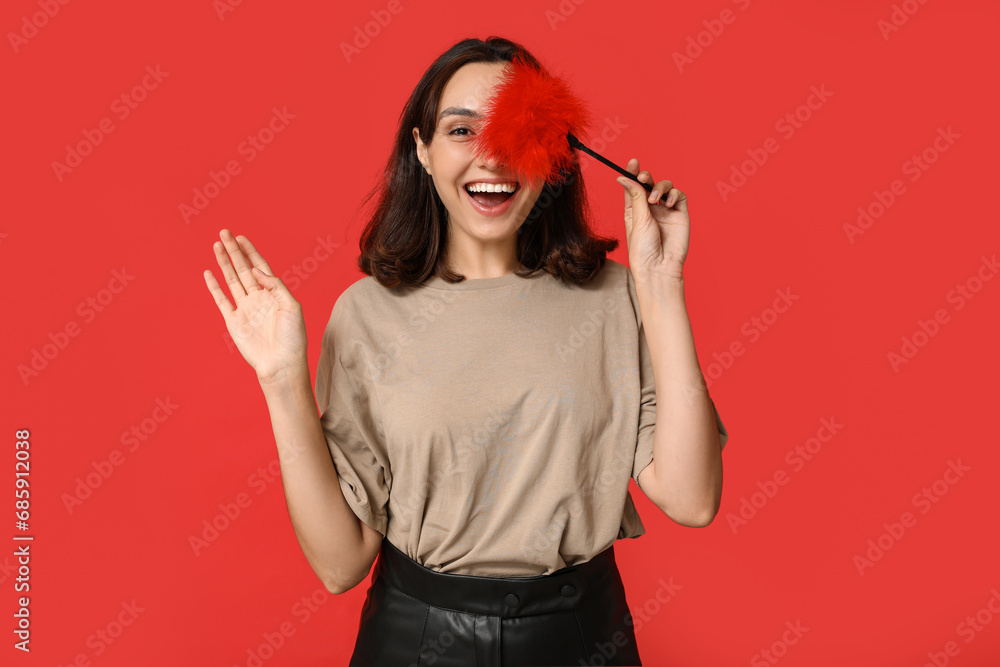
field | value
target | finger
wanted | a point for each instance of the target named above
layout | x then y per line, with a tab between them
228	272
253	255
637	199
632	167
645	176
671	197
678	200
221	301
240	262
658	190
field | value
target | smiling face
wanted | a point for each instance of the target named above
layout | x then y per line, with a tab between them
453	166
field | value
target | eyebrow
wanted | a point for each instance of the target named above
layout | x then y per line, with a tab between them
458	111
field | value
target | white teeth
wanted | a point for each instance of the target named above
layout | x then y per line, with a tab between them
491	187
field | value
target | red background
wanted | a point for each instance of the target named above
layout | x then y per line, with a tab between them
784	228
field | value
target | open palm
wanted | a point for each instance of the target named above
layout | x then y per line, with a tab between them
267	323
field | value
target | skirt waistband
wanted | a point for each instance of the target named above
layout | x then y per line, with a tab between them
507	597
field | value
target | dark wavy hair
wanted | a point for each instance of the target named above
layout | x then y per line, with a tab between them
405	240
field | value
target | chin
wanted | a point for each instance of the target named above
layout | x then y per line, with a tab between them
492	231
476	225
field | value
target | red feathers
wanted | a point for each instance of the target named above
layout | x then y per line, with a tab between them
526	122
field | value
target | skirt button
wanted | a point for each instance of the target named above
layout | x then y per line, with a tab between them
567	590
511	600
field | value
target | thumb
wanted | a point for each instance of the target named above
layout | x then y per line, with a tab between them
635	197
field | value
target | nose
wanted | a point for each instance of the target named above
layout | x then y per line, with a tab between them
488	161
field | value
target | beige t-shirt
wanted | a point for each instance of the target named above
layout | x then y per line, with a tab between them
490	427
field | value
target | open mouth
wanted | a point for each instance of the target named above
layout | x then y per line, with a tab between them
491	200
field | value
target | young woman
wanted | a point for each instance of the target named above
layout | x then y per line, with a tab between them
486	392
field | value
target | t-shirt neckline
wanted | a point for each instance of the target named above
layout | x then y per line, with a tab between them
437	282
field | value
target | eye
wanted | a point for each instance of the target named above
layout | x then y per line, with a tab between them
460	128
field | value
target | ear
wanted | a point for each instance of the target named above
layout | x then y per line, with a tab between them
421	150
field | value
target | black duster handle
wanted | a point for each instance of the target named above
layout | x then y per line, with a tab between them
575	143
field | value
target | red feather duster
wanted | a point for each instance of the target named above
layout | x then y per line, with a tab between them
529	123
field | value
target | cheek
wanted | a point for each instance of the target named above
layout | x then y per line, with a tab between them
455	151
532	198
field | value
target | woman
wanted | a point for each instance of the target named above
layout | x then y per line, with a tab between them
486	392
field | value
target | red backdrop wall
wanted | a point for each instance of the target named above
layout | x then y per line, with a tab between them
840	164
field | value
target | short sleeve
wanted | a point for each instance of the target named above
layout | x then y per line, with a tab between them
647	396
351	421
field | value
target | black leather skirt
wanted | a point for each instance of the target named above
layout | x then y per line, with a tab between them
416	617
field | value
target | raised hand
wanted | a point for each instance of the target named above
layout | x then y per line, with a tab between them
267	323
657	233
